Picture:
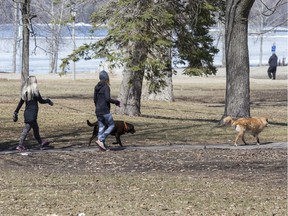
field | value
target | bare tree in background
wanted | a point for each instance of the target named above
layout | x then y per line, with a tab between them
16	35
25	11
56	15
55	34
51	14
265	16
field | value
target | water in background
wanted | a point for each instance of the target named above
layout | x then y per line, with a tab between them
39	57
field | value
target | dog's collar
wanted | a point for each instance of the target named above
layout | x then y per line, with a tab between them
125	127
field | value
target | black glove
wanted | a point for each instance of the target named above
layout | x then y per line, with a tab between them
15	116
117	103
50	102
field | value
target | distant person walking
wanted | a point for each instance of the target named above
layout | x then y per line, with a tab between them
102	101
31	96
273	60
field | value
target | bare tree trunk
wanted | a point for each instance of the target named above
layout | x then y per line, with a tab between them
51	40
25	36
54	48
237	102
261	50
261	36
55	37
223	46
51	50
16	34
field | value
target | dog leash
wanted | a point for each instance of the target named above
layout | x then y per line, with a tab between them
78	110
4	120
125	126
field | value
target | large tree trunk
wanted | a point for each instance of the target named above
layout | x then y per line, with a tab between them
130	93
25	37
131	86
237	102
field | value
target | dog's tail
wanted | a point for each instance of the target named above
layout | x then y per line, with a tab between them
91	124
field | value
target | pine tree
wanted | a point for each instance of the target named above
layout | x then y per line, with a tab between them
142	33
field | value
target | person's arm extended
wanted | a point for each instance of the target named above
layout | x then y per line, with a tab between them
44	101
109	99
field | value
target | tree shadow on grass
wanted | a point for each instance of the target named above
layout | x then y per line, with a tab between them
78	138
61	139
180	119
278	123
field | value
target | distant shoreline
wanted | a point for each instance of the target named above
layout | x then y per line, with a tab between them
257	72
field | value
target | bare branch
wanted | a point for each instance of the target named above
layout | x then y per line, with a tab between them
272	9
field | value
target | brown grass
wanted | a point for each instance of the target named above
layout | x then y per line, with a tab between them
144	182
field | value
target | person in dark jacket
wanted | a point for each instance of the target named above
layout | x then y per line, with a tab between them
273	60
102	101
31	96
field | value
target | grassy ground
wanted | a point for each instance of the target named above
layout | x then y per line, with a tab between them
142	182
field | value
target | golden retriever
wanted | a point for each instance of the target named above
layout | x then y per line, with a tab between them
251	125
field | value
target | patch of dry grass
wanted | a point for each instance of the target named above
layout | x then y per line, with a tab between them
201	182
136	194
190	119
179	182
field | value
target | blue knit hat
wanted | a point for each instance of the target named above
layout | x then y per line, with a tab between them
103	75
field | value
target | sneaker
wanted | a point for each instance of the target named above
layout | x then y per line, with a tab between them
101	145
107	147
21	148
44	144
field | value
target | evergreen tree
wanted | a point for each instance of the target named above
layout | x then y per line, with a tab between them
141	33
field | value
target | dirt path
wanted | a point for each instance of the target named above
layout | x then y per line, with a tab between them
185	147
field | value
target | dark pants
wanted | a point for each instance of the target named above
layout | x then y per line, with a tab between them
26	130
272	72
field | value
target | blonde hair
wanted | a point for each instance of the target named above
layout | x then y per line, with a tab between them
30	88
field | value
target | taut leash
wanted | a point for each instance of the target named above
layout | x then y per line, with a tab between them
78	110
